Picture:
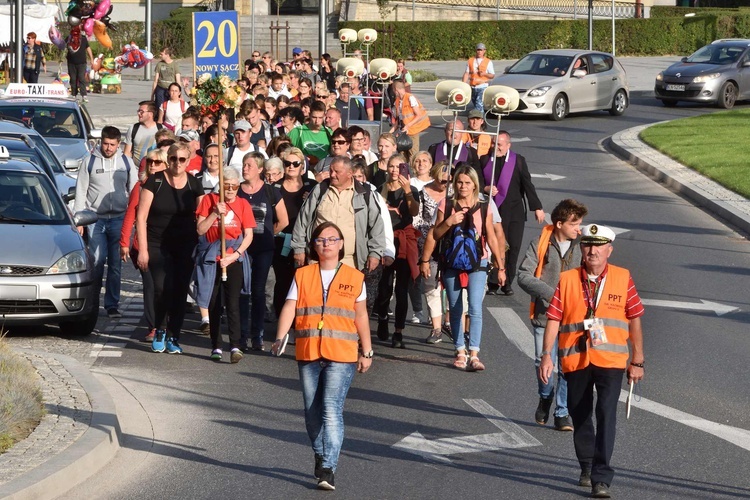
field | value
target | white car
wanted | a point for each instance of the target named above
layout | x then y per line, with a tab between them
559	82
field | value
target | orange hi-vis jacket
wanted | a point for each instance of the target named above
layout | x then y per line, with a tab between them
407	114
544	240
474	78
574	345
482	143
326	329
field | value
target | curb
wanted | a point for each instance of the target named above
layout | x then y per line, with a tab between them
679	178
82	459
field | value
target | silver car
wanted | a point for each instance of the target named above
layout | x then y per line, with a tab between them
718	73
559	82
46	272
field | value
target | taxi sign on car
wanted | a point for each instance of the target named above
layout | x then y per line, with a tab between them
36	90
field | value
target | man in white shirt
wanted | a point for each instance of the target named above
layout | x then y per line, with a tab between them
241	147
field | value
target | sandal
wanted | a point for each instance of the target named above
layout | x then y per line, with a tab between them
475	365
460	361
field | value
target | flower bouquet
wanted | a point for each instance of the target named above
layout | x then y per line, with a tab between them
214	93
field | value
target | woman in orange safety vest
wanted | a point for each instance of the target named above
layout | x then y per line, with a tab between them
327	304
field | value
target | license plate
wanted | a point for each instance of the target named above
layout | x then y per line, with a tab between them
18	292
675	88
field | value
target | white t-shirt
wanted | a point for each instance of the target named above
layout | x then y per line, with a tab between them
326	275
237	155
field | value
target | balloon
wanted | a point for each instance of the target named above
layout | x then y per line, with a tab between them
74	21
76	12
100	32
102	8
56	38
96	65
88	7
88	26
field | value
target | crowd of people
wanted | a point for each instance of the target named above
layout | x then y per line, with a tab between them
285	187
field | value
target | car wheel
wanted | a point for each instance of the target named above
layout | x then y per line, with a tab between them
619	103
727	95
79	328
559	108
669	104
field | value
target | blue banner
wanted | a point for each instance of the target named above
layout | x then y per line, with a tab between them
216	43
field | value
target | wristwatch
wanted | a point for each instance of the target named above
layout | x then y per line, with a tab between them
367	355
546	353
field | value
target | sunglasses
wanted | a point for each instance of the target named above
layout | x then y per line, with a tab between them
444	182
181	159
149	161
164	143
231	187
339	142
294	164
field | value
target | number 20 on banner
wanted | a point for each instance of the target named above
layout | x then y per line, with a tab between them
216	43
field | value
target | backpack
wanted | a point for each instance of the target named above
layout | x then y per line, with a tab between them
124	160
464	245
159	126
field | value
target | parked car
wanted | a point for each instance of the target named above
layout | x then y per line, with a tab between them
559	82
46	271
63	122
718	73
26	142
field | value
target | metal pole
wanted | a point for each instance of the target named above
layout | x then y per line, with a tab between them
613	27
575	9
591	24
497	10
19	41
252	27
149	13
413	8
322	25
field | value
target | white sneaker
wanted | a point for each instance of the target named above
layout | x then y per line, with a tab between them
419	318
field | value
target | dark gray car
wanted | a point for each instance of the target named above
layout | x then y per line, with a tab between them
718	73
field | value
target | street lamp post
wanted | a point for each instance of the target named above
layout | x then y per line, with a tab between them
19	41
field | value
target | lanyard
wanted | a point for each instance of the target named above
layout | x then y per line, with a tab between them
592	299
325	294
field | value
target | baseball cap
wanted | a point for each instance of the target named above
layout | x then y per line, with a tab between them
296	50
594	234
481	46
475	113
189	135
242	125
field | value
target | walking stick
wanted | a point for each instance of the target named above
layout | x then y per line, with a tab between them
222	231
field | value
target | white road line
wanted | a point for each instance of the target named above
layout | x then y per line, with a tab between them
105	354
704	305
518	332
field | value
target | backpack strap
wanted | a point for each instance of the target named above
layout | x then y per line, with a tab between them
230	153
92	158
133	134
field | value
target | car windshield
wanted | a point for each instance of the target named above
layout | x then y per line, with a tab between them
29	198
46	151
542	64
716	54
49	121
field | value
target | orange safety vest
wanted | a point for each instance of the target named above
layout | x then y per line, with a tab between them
326	329
574	345
482	143
407	113
474	78
541	251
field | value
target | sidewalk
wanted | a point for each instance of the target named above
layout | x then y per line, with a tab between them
82	433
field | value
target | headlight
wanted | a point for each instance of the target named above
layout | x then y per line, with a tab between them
538	92
706	78
74	262
660	76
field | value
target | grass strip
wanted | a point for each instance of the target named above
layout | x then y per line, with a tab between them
710	144
422	75
21	406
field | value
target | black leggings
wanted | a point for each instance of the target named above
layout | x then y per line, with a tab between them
229	290
77	74
400	268
171	269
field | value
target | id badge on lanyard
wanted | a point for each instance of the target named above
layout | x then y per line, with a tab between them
593	325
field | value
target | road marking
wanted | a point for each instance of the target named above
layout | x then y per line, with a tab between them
705	305
511	435
517	332
105	354
551	177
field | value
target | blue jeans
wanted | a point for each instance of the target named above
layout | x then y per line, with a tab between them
475	289
324	388
252	317
545	390
104	243
476	97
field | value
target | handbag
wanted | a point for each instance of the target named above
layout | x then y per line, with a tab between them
403	142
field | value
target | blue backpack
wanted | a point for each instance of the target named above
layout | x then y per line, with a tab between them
464	245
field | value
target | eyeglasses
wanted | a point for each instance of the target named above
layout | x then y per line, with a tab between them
231	187
256	55
323	96
358	139
338	142
164	143
294	164
150	161
181	159
142	111
326	241
444	181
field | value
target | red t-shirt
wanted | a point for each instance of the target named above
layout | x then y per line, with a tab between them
238	218
195	165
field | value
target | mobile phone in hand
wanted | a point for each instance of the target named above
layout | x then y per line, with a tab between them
403	170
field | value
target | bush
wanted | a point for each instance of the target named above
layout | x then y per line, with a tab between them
444	40
21	407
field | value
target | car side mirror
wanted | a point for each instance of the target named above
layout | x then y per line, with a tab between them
70	195
579	73
684	59
746	64
72	165
95	133
507	68
85	218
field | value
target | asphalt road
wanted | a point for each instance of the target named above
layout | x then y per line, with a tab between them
196	429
